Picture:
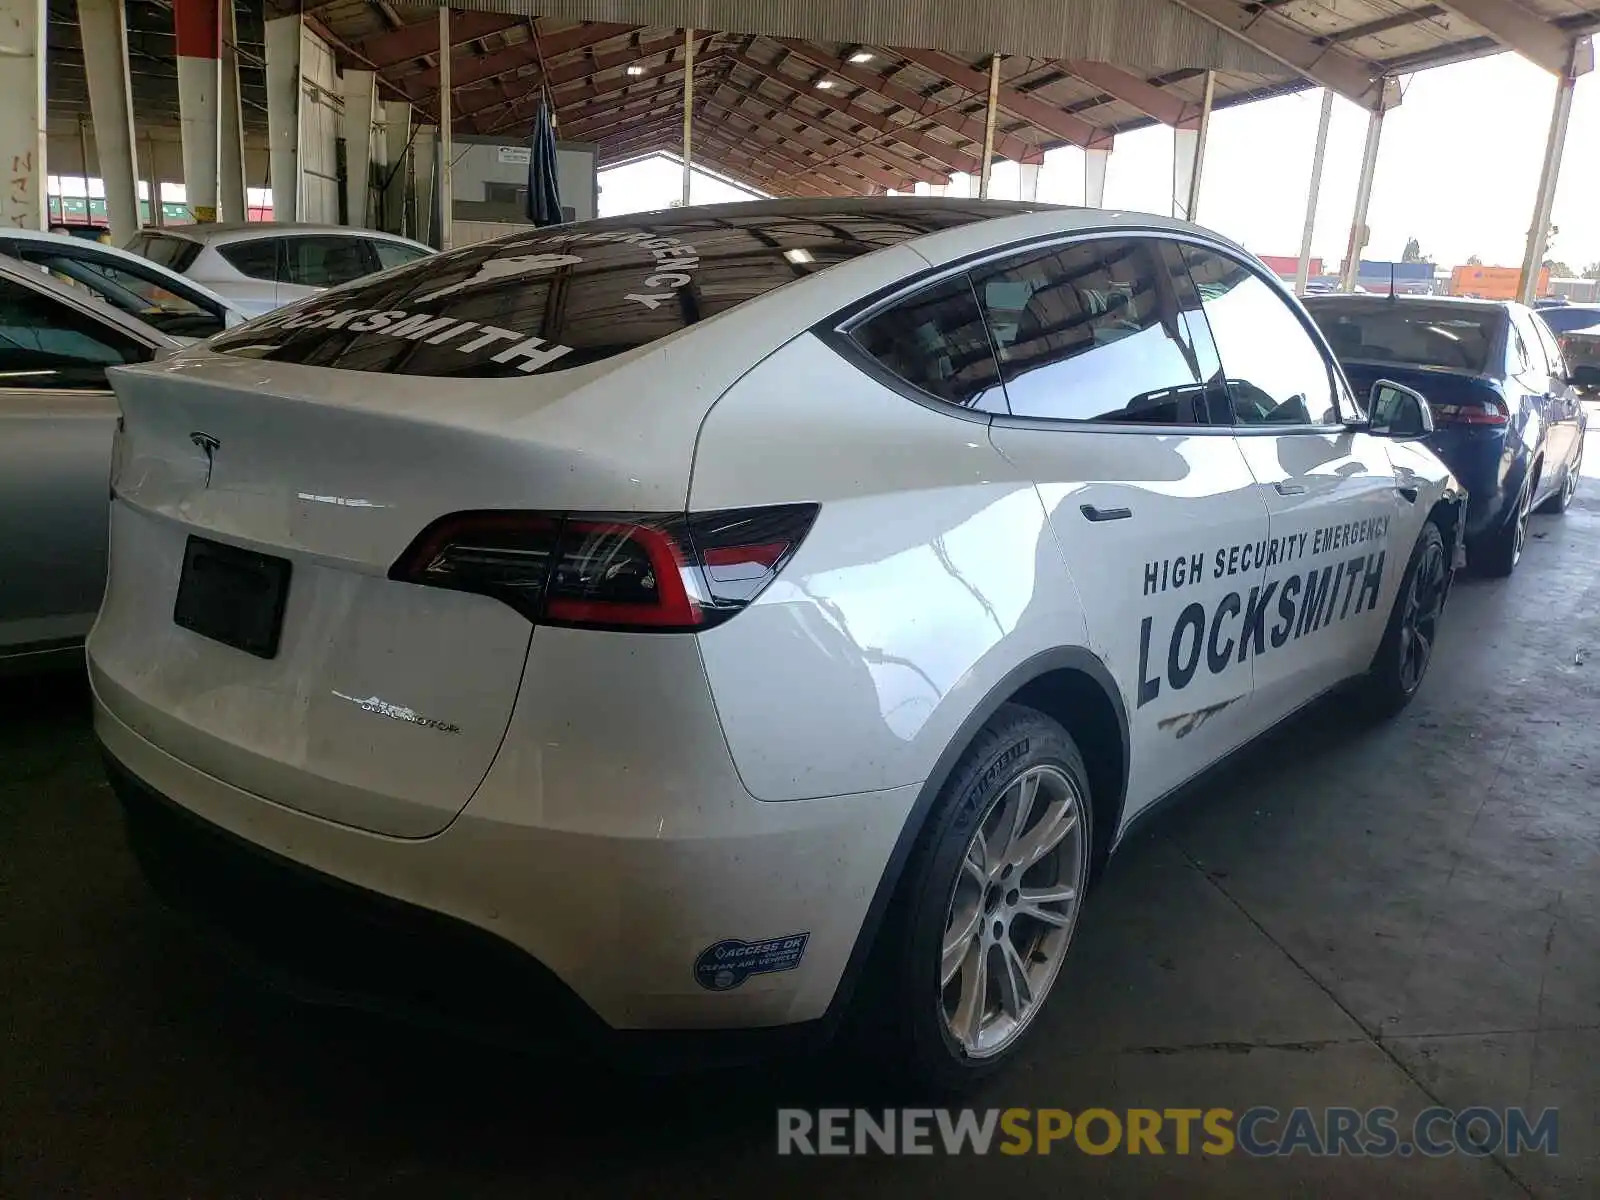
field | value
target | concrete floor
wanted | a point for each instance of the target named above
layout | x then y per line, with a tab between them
1402	916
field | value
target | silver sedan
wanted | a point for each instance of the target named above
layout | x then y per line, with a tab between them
57	417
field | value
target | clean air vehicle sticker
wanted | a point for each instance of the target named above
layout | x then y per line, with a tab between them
1272	614
724	965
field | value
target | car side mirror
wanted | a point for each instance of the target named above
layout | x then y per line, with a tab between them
1585	375
1399	411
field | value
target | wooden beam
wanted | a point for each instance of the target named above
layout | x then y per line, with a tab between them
482	67
849	140
1019	104
581	69
852	176
664	139
1338	70
946	153
939	112
1516	28
1130	89
753	128
400	46
669	75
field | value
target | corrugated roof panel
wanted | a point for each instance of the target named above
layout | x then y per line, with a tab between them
1151	35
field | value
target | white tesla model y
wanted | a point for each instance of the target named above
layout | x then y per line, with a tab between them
690	624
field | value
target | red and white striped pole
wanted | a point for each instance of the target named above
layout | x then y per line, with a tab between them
199	36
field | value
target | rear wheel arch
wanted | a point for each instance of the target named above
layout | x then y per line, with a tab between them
1071	686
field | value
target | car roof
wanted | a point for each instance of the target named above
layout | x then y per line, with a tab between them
31	276
83	245
238	231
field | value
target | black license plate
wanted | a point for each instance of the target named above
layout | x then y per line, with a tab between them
232	596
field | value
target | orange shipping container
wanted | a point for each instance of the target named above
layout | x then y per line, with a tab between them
1493	283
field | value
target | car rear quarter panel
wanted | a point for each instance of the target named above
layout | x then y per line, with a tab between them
930	574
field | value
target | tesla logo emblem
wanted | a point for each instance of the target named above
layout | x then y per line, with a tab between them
210	445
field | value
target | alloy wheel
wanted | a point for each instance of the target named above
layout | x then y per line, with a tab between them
1419	623
1013	910
1524	511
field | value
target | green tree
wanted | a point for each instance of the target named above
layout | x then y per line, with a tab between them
1413	253
1474	260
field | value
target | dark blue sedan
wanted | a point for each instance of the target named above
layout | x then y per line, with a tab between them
1508	422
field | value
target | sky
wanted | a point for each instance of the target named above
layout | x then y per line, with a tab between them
1458	166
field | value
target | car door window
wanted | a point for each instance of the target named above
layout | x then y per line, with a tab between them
1552	348
173	253
395	254
46	343
325	261
259	258
124	286
1277	374
1543	357
935	341
1095	331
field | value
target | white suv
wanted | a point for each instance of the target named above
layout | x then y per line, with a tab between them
703	620
259	265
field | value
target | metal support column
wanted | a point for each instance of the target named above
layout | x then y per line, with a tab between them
152	165
199	43
397	180
1189	155
1094	177
231	193
103	26
360	88
446	117
1359	232
987	167
688	111
1302	271
1550	172
283	115
24	201
1028	181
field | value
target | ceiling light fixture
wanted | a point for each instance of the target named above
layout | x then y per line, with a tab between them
824	83
635	70
861	56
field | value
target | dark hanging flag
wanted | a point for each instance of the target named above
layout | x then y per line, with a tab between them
544	194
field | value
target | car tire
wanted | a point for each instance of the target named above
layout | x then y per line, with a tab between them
1499	552
964	950
1562	500
1401	663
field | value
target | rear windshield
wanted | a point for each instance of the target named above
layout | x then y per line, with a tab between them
1422	335
552	299
1568	317
173	253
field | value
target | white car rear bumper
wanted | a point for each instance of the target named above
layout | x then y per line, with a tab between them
619	898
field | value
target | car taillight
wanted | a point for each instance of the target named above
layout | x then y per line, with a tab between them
611	571
1476	412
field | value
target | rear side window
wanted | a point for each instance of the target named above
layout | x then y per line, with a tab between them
549	300
326	261
127	287
1095	331
1276	372
173	253
46	344
395	254
258	259
935	340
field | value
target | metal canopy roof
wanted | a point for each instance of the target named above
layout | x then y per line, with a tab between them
828	97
